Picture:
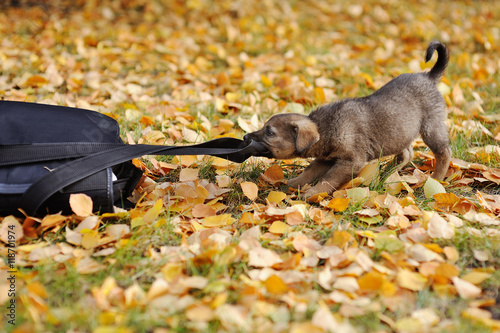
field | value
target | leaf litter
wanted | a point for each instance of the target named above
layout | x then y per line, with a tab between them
216	246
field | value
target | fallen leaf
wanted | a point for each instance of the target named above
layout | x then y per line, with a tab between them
260	257
411	280
275	285
466	289
432	187
81	204
11	231
250	190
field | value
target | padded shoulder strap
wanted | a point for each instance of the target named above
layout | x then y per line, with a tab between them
229	148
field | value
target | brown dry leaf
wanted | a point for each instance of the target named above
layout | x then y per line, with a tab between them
81	204
251	190
273	174
203	210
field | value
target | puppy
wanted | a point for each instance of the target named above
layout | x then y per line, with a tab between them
345	135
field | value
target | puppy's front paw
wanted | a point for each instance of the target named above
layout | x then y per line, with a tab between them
295	182
317	189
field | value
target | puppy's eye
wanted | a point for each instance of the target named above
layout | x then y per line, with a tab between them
269	132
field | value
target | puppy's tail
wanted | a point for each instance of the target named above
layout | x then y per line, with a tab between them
442	61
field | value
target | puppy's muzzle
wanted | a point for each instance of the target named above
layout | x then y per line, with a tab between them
259	147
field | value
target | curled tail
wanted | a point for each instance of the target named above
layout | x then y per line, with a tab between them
442	61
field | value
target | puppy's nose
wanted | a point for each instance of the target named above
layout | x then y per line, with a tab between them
246	137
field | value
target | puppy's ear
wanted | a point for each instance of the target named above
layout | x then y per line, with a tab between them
306	134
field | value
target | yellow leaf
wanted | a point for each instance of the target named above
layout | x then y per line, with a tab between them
319	95
278	227
432	187
476	277
250	190
340	238
275	285
448	199
265	81
153	213
409	325
218	220
411	280
276	197
338	204
81	204
171	271
388	289
90	239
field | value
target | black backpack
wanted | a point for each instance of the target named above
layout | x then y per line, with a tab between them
49	152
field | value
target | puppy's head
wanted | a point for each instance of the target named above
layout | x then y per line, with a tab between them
286	135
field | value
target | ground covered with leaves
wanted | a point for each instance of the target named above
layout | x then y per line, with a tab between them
213	246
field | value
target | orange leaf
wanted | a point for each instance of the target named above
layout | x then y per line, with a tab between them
147	120
371	281
273	174
275	285
448	199
36	81
338	204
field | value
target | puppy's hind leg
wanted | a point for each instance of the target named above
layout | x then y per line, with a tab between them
404	157
313	171
437	140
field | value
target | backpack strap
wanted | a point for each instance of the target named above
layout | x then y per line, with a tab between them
32	153
228	148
